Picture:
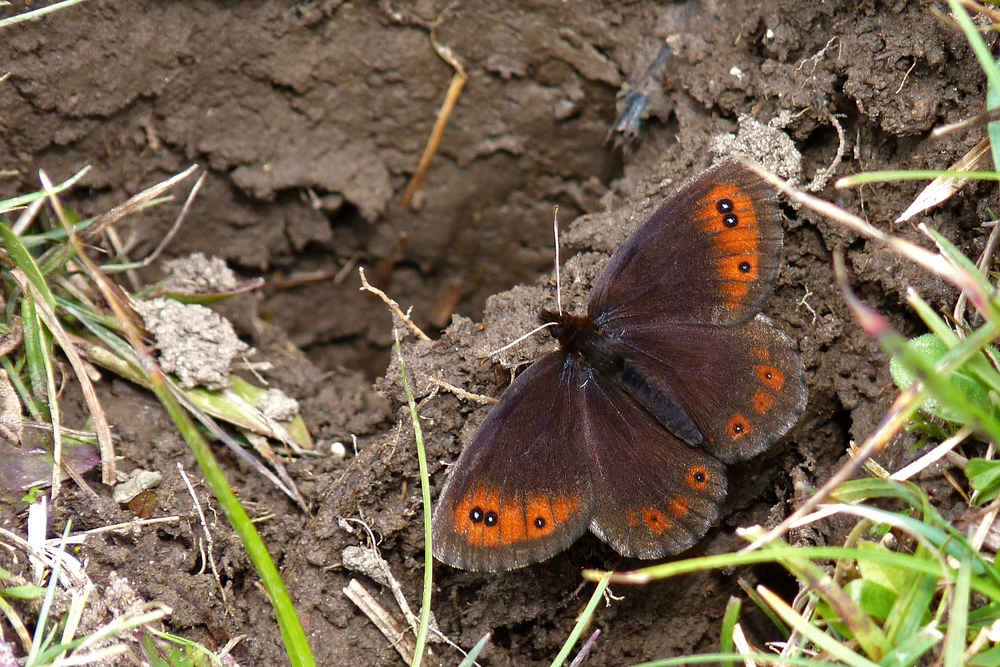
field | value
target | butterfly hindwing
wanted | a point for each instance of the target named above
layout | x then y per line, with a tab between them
521	490
656	495
742	385
709	254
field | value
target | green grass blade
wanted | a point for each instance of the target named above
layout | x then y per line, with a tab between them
583	621
470	659
729	619
24	261
13	203
958	616
915	175
819	638
425	605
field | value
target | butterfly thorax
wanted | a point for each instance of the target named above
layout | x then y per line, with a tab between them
582	339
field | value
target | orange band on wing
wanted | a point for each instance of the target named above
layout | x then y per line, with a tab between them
486	522
728	215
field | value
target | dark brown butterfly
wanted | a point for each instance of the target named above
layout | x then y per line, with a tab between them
628	427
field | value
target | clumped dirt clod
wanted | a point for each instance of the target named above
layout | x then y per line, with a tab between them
194	342
310	117
198	274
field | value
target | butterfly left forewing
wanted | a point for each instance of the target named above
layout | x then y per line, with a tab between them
521	490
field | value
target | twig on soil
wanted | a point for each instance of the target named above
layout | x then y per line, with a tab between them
804	302
450	100
393	306
820	179
384	621
78	538
906	76
461	393
208	537
369	562
348	267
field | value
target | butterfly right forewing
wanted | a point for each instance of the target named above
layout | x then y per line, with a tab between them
709	254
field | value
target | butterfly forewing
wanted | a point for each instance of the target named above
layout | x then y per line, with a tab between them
656	495
521	490
709	254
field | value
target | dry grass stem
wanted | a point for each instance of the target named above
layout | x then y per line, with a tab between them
177	222
101	427
134	203
458	81
932	262
939	452
462	393
208	537
941	189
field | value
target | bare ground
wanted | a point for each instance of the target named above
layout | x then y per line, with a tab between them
311	116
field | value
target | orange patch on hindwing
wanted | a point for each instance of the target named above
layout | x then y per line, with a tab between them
771	377
697	477
727	214
762	401
656	521
679	507
738	426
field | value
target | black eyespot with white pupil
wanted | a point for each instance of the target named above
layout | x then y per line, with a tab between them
730	220
725	206
540	522
737	428
476	515
745	267
699	477
491	519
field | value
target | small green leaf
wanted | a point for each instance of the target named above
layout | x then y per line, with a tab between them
985	478
26	592
933	349
885	576
988	658
874	599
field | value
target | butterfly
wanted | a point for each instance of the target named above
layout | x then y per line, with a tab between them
627	428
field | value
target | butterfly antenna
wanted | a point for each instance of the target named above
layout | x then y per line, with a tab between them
555	231
518	340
